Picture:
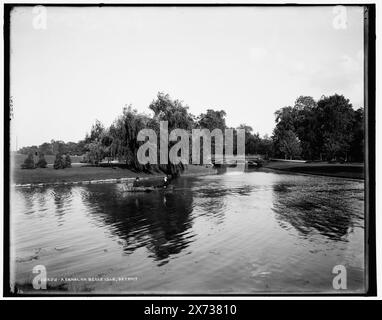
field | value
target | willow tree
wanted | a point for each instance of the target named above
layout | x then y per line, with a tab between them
124	132
176	114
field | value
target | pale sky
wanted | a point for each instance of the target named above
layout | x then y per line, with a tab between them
250	61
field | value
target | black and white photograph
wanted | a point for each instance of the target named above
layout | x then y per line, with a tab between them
197	150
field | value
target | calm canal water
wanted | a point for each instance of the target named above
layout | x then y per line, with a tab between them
237	232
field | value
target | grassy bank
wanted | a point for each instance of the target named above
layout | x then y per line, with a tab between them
18	159
82	173
346	170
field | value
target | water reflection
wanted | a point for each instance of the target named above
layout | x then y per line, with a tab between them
159	221
62	199
236	232
28	197
327	211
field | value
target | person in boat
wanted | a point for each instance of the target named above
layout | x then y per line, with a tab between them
165	182
151	183
136	182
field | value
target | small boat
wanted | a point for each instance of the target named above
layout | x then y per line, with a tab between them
254	163
146	185
145	189
138	189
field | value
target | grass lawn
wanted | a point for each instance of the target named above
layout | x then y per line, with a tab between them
82	173
345	170
196	170
18	159
78	173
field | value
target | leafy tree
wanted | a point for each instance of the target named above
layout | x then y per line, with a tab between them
68	161
173	111
252	144
357	145
305	102
248	129
178	117
212	119
306	126
302	120
58	146
286	118
251	141
328	128
335	114
124	133
95	133
265	146
28	162
106	142
289	144
71	148
81	148
28	150
95	152
282	134
41	161
46	148
59	162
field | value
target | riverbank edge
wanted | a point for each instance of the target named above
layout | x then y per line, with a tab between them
84	182
320	174
111	180
186	173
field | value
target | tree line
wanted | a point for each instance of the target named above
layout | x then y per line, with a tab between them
327	129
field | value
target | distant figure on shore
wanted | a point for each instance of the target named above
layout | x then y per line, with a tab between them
136	182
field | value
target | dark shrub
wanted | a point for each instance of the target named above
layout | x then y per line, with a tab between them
41	161
62	161
28	162
68	161
59	162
